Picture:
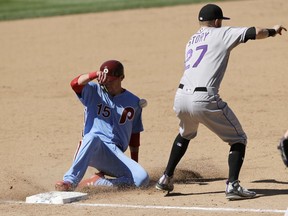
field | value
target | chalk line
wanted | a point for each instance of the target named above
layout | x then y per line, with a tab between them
191	208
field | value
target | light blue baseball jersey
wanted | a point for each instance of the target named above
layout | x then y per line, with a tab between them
112	118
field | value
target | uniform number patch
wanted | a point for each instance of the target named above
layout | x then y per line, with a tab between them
200	50
127	114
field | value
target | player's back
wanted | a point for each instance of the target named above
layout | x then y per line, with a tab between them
207	54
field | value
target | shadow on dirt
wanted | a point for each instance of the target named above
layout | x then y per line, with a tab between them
171	194
268	191
183	176
269	181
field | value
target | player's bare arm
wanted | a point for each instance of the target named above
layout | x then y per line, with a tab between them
262	33
134	146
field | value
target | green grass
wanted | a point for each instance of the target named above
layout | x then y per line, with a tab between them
21	9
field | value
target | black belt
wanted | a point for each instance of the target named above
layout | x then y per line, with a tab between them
204	89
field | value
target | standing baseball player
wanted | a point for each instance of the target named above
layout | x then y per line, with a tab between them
197	100
113	121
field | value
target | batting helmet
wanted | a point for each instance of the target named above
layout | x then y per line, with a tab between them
112	68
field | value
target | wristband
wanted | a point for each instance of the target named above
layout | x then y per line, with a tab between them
93	75
271	32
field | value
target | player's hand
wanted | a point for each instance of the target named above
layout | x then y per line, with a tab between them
279	28
101	77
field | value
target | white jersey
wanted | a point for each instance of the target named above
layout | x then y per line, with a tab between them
207	54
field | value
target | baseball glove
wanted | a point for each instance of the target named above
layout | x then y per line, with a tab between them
283	148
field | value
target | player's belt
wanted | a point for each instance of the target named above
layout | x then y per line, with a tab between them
203	89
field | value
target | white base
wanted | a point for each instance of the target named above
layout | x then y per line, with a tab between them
56	197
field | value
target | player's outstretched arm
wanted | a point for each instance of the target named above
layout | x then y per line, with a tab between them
262	33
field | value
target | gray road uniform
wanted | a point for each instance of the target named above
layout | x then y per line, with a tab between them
197	99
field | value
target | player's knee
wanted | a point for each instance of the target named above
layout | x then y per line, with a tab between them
141	179
182	140
91	138
188	137
238	147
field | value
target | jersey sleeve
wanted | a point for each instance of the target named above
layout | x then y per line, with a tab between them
233	36
88	93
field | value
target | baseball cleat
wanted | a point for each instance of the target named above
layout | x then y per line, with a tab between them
235	192
165	183
92	180
64	186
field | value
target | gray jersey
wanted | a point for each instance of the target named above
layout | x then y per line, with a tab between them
197	99
207	54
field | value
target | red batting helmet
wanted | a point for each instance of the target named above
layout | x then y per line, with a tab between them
113	69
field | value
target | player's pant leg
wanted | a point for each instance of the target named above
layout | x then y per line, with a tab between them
82	158
112	161
183	108
220	119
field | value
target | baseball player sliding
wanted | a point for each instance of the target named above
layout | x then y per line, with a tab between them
112	123
197	99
